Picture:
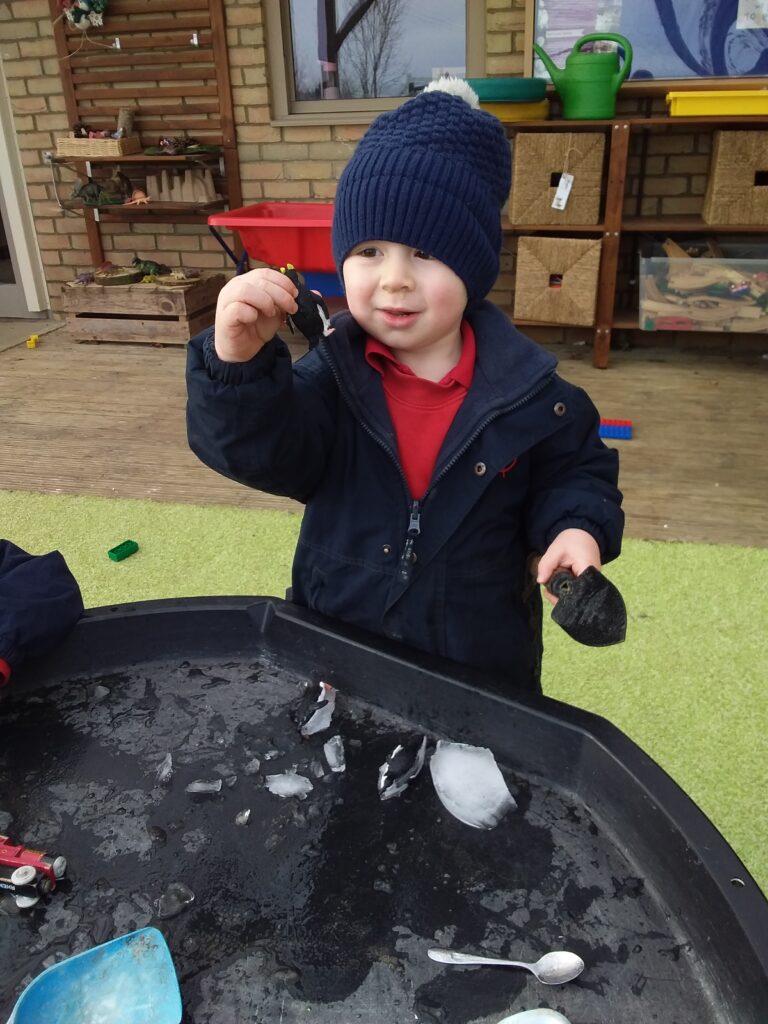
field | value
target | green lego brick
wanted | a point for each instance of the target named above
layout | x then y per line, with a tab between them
128	547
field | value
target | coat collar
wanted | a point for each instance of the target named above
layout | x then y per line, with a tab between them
508	367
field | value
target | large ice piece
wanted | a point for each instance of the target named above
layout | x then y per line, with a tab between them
469	784
289	784
540	1016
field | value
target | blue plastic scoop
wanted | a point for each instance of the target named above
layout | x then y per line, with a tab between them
130	980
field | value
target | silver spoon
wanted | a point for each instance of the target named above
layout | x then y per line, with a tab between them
552	969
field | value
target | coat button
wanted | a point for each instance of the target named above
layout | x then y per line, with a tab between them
386	549
559	409
480	469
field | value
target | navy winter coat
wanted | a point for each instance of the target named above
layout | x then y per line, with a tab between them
39	603
521	462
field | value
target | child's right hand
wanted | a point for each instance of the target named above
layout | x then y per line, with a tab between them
250	311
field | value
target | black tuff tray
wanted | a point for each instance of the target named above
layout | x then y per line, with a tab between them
323	909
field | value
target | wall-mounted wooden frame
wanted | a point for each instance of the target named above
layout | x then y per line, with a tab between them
172	69
703	30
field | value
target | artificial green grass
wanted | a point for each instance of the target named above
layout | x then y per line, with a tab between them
688	685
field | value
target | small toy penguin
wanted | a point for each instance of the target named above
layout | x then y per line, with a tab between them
312	318
314	714
401	767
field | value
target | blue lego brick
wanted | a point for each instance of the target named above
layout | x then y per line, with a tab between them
617	431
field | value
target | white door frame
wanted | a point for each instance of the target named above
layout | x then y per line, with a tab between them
29	295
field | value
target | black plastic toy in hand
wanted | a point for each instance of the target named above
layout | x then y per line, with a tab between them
312	318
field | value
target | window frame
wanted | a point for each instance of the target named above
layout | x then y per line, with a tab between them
286	110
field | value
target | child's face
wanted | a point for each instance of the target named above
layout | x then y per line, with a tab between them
404	298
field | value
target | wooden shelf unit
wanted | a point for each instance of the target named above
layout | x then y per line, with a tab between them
149	211
176	88
614	223
143	158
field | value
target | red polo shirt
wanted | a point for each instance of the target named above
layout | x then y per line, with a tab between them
5	672
422	410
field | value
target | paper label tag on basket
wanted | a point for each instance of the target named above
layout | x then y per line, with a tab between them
564	187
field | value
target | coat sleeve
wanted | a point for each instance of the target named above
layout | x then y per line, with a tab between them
574	482
40	602
266	423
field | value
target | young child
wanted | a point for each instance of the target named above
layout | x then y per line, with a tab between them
434	446
40	602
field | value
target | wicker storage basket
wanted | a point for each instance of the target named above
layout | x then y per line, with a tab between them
86	148
733	195
556	280
537	157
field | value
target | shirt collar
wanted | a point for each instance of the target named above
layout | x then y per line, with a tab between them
376	352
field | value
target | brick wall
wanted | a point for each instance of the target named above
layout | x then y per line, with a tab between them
276	163
301	162
32	75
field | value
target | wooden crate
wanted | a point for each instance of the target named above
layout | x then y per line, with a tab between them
169	314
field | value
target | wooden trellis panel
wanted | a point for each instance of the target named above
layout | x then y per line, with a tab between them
172	67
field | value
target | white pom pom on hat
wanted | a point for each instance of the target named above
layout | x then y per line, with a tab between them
454	87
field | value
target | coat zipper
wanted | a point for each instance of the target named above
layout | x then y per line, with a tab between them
414	521
414	529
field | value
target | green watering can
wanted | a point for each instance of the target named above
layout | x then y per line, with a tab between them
590	81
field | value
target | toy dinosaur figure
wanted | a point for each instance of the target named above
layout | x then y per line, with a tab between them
312	318
138	198
88	191
184	274
117	187
150	267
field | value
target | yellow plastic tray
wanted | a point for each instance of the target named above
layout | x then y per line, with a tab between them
509	112
721	101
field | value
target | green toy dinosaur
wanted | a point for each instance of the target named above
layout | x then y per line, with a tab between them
150	267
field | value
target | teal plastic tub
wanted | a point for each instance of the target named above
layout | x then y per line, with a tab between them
509	90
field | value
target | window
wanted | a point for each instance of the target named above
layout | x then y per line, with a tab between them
358	57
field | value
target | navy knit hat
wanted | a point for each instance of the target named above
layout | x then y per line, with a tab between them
432	174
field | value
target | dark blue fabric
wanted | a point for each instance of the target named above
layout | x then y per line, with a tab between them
432	174
39	602
521	462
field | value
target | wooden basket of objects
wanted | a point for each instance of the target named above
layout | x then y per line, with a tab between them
87	148
170	314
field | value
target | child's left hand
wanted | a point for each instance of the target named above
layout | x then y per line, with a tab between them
572	549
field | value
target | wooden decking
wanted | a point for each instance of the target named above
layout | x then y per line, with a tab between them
109	420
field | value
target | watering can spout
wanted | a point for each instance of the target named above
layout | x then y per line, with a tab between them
553	70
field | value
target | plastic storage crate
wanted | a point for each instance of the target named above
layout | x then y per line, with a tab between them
280	233
704	294
711	103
